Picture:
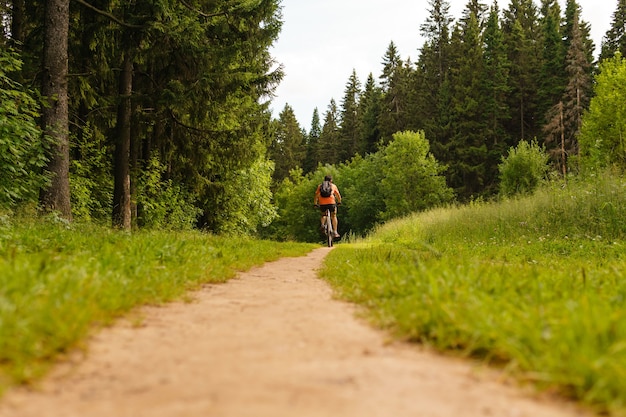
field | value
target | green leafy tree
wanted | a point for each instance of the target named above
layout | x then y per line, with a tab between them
523	169
247	200
603	133
410	176
364	201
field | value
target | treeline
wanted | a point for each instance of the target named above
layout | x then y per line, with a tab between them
480	86
143	113
155	114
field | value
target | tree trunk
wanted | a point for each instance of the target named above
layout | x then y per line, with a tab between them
17	23
121	190
56	197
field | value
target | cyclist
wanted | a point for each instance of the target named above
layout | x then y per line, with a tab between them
331	202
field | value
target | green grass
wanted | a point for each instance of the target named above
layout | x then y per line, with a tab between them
536	285
58	282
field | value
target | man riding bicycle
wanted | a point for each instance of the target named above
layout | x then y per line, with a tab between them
329	202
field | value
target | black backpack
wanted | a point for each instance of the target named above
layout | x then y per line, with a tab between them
326	189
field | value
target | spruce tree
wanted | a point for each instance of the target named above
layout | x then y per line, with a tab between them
497	69
289	148
520	28
468	148
394	100
350	119
496	89
55	118
552	77
573	15
615	39
431	78
370	106
565	119
312	158
330	136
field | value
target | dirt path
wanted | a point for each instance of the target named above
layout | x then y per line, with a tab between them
272	343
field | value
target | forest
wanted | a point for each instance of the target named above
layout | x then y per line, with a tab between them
155	114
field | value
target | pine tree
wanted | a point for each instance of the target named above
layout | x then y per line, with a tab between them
350	119
615	39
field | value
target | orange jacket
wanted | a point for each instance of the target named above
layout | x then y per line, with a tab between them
335	197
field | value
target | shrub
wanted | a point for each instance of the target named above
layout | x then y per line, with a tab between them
22	145
523	169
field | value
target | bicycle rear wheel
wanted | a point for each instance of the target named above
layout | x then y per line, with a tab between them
329	229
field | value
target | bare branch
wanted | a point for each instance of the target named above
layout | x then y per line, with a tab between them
109	15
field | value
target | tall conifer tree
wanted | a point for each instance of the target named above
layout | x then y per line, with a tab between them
394	101
552	78
468	147
520	27
565	118
350	119
312	143
330	136
370	106
615	38
289	148
431	78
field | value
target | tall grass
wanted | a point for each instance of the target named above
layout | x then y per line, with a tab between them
535	284
57	282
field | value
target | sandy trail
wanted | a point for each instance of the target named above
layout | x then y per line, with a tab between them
272	342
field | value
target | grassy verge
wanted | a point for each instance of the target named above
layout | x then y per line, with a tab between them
58	282
536	285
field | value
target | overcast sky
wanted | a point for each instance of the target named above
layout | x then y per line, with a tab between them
322	41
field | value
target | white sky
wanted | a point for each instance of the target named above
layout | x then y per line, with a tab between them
322	41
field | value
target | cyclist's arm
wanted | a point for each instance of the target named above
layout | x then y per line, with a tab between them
337	195
316	199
